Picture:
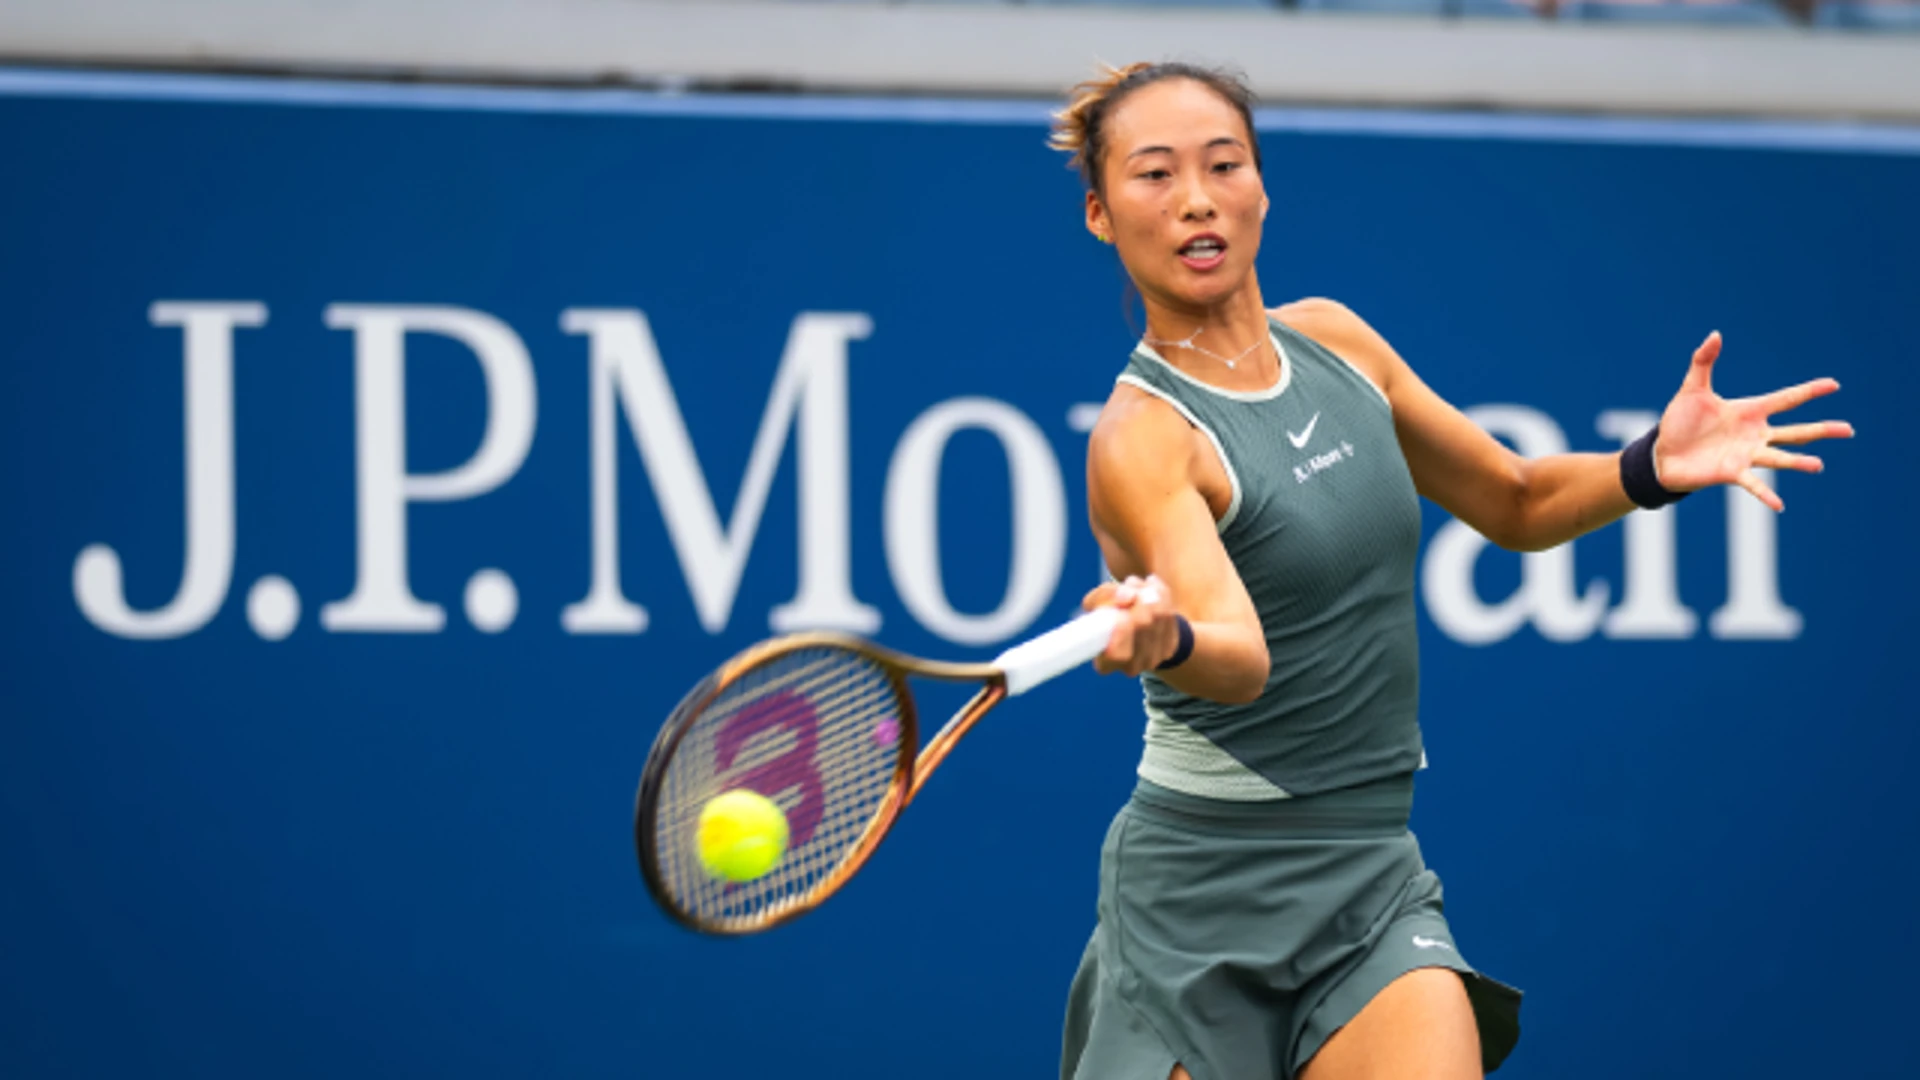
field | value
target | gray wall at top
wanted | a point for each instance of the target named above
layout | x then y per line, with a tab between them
986	49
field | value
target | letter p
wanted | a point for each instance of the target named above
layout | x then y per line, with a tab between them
382	599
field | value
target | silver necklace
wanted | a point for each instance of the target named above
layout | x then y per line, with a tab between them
1188	343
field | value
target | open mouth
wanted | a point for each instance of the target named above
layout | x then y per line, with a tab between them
1204	252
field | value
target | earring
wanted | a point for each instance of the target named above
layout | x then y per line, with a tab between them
1103	238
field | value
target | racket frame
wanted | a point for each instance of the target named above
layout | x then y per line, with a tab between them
911	768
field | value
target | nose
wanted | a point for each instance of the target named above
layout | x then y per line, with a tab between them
1196	204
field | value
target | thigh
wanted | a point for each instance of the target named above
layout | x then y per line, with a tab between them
1421	1027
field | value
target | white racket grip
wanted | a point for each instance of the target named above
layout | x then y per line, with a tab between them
1057	651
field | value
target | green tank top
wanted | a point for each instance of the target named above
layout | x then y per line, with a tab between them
1323	527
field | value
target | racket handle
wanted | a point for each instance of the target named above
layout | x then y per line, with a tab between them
1057	651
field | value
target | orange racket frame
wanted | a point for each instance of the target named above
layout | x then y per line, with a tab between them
910	772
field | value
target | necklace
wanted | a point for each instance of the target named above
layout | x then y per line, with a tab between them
1188	343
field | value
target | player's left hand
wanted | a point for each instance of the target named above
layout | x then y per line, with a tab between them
1706	439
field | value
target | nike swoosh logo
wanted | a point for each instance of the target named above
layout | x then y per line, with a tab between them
1300	441
1430	943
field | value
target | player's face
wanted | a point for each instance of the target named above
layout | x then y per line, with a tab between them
1183	200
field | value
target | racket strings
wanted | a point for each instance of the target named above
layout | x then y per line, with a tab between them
817	731
828	803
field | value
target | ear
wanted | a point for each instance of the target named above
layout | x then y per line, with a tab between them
1097	221
1265	204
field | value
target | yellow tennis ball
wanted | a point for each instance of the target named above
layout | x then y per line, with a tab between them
742	835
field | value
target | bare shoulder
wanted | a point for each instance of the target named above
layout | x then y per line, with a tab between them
1138	434
1139	455
1341	329
1317	312
1329	322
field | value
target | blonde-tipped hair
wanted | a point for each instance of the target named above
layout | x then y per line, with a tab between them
1087	99
1078	129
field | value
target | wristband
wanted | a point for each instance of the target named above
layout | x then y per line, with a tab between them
1182	650
1639	478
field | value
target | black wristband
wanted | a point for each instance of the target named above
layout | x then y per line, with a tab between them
1182	650
1638	476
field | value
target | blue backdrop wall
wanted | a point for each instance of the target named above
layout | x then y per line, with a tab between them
323	707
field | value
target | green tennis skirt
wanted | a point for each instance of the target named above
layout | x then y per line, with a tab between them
1235	938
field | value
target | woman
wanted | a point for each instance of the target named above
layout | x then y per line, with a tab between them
1264	912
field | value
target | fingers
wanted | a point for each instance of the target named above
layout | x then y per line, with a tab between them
1795	434
1119	652
1150	616
1700	375
1795	396
1147	635
1147	654
1769	458
1120	645
1138	591
1760	491
1122	593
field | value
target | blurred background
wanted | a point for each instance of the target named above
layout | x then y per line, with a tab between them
402	403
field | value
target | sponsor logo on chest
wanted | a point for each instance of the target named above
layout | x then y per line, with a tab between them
1320	462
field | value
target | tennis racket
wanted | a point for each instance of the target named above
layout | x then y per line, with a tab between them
824	725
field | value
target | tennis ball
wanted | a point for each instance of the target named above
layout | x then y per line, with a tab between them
742	835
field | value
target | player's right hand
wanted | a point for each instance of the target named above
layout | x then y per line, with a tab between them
1148	635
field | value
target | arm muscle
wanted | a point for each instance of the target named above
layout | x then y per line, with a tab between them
1151	518
1517	503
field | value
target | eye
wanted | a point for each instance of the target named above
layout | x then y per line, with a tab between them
1155	174
1226	166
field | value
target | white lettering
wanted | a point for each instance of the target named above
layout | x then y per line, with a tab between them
812	384
382	599
1753	608
1320	463
98	585
913	526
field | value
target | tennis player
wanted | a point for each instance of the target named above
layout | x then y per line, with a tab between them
1264	911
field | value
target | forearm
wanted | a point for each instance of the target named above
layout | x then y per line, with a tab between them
1565	496
1229	664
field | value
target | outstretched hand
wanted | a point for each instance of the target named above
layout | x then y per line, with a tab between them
1706	439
